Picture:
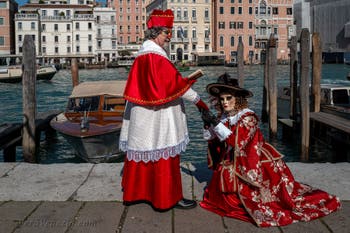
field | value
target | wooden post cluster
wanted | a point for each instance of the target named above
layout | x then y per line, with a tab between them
29	99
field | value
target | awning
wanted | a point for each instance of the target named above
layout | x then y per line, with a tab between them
96	88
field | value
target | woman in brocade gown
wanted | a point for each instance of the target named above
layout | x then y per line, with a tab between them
253	183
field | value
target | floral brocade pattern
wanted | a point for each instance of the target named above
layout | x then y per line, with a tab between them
266	187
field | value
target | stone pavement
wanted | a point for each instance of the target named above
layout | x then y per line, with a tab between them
87	198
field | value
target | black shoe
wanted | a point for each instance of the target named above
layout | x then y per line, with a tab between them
186	204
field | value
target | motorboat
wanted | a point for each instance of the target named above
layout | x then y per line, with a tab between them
92	121
335	99
13	74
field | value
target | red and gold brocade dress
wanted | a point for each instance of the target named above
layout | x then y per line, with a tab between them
264	191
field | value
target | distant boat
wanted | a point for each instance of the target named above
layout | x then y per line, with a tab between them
92	121
335	99
13	74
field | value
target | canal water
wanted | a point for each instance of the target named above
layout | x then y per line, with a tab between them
52	95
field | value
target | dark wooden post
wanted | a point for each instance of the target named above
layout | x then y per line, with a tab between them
240	64
293	78
265	101
304	93
75	71
272	86
29	99
316	71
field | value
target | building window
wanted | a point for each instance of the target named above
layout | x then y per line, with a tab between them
68	49
56	49
232	41
194	13
1	21
2	40
206	13
19	38
44	39
3	4
232	25
43	27
221	41
68	27
222	25
44	49
90	37
32	25
99	44
89	26
250	40
289	11
77	37
56	27
221	10
77	26
275	10
232	10
56	39
90	49
239	10
77	49
250	10
250	25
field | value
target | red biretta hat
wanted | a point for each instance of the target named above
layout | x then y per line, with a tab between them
160	18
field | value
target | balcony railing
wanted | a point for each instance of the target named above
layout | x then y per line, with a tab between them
27	16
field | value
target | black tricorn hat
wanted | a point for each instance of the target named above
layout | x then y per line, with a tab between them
227	84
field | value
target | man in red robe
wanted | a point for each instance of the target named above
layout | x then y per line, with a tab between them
154	130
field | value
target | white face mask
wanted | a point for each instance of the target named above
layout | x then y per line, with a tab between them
227	102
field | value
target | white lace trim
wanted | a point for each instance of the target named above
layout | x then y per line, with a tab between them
234	119
151	47
154	155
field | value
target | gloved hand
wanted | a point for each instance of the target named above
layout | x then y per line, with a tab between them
202	106
209	118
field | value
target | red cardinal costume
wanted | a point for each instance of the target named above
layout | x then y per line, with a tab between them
254	184
154	130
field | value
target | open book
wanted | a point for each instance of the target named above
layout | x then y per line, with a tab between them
197	74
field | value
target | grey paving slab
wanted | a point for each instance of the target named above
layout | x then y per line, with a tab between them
42	182
142	218
98	217
53	217
339	221
315	226
238	226
13	214
6	167
201	177
197	220
103	184
330	177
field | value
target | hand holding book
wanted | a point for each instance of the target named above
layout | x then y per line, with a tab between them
197	74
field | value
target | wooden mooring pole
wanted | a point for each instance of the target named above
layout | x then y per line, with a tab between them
293	79
316	72
304	93
29	99
75	72
272	86
265	100
240	64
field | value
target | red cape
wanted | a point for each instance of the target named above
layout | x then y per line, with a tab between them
154	80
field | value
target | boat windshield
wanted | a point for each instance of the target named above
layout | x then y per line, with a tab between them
82	104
